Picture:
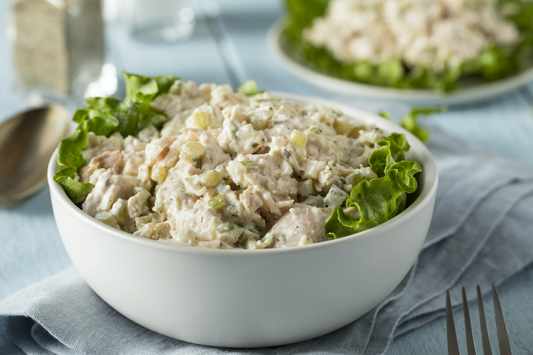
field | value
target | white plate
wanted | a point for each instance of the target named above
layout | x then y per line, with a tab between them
469	94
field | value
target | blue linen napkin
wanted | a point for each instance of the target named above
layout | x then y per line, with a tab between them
477	236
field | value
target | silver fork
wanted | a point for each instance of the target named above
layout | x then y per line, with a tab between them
503	337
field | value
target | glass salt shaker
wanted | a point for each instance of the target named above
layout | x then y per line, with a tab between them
58	48
155	20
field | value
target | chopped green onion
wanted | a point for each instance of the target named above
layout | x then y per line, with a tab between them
315	129
216	202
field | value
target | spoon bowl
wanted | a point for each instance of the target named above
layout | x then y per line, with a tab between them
27	141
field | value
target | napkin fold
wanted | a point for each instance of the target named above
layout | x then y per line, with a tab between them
478	235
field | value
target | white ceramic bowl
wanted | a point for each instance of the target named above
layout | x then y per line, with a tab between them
470	92
249	298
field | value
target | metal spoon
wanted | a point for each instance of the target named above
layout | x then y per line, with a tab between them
27	141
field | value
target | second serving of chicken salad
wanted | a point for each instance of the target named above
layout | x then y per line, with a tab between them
211	167
424	44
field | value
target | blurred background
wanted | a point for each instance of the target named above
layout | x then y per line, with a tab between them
221	41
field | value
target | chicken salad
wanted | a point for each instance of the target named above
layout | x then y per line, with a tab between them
207	166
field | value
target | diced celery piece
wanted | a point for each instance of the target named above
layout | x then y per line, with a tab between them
263	243
306	188
141	221
233	131
176	88
194	152
144	172
160	209
233	230
216	202
335	197
193	149
211	178
298	138
107	218
315	129
120	211
343	125
289	109
260	121
251	165
201	119
236	170
260	223
299	151
267	240
359	175
148	134
159	174
316	201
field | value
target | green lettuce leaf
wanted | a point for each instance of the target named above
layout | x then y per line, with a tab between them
386	115
103	125
74	189
105	116
398	145
410	122
69	150
132	114
378	200
301	15
381	160
80	115
164	83
249	88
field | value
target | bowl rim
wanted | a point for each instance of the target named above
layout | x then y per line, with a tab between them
465	95
428	190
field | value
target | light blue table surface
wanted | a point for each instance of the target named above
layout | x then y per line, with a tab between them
229	45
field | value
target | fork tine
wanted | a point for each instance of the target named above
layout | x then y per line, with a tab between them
453	345
487	350
503	337
470	344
